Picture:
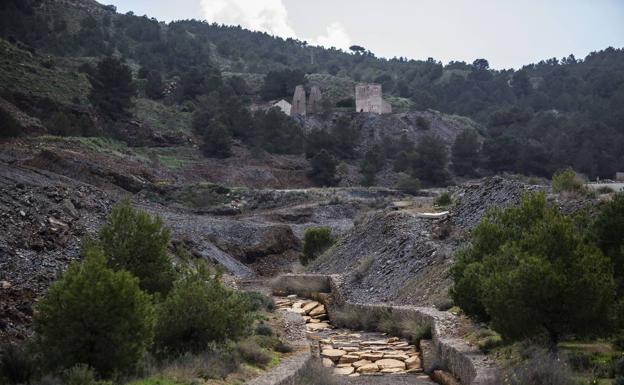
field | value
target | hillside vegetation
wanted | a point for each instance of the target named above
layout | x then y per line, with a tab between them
193	74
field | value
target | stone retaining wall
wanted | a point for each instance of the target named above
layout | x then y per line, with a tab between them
465	362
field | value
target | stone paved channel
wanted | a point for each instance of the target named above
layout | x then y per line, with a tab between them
357	357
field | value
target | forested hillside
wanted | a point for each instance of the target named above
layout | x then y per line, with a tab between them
535	120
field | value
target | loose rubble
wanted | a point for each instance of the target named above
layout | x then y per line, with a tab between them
352	353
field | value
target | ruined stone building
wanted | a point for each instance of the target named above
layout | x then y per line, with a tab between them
299	104
369	98
314	101
284	106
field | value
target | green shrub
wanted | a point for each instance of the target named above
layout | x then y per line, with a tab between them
539	368
490	342
408	184
264	330
443	200
215	363
282	347
530	270
96	316
253	353
423	123
198	311
137	242
316	240
605	190
415	331
258	301
17	364
567	181
82	374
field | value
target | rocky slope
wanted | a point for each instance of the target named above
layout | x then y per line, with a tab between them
400	256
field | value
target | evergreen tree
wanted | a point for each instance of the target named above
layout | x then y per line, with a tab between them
112	87
96	316
465	153
430	161
323	169
137	242
530	271
217	140
154	85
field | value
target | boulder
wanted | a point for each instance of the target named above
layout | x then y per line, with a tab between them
344	371
309	306
412	362
360	363
333	354
318	310
317	326
392	371
371	356
328	363
349	359
396	356
368	368
390	364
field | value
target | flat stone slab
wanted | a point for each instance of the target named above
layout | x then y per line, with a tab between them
390	364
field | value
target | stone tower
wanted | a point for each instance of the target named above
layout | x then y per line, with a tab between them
299	102
369	98
314	101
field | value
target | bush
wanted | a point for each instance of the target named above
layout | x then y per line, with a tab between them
17	365
527	269
82	375
258	301
490	342
253	353
264	330
95	316
199	311
282	347
567	181
540	368
408	184
443	200
415	331
316	241
137	242
214	363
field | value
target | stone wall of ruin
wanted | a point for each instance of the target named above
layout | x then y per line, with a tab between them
299	104
314	101
368	98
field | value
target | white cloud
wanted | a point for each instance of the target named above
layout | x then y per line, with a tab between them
269	16
336	36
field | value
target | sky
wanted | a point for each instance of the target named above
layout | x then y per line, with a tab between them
508	33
